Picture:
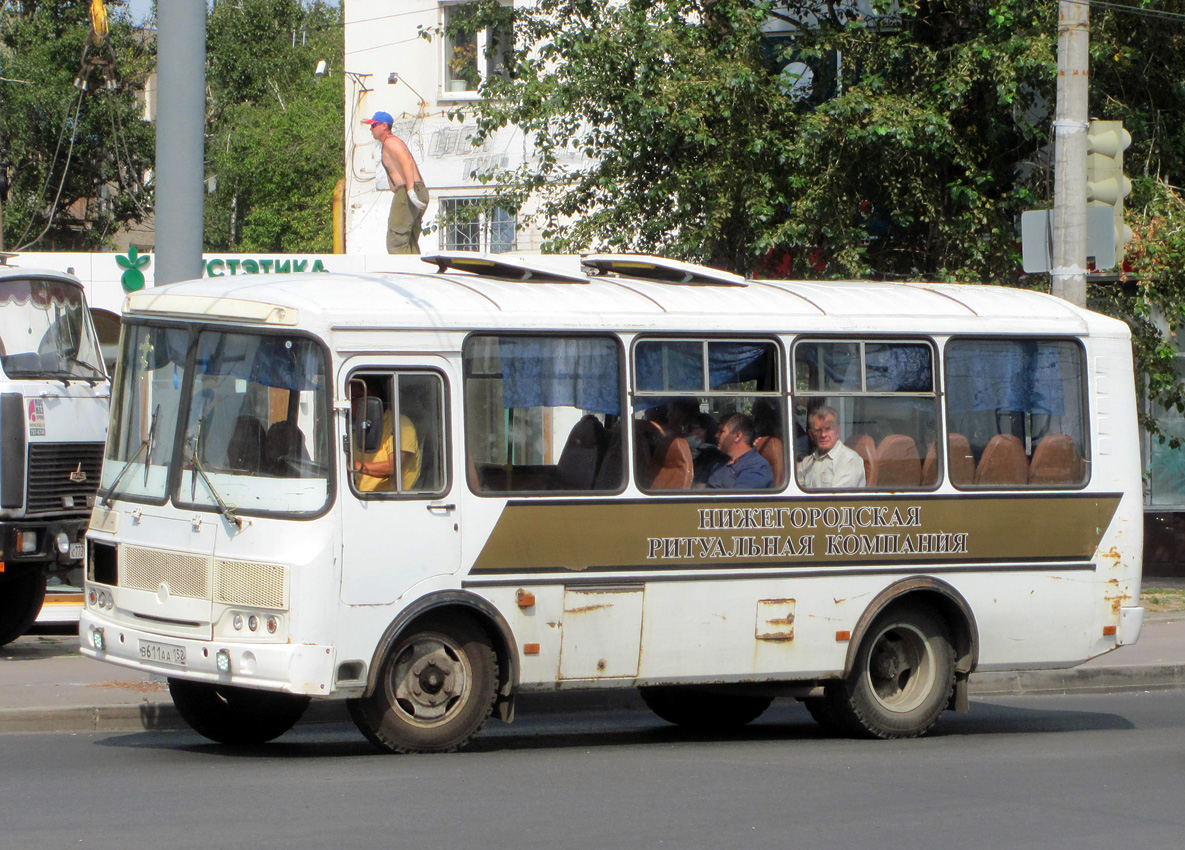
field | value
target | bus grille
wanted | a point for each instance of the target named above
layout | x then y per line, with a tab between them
148	569
249	583
54	473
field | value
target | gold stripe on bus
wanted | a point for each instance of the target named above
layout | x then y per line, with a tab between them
713	532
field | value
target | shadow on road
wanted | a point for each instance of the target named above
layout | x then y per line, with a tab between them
785	721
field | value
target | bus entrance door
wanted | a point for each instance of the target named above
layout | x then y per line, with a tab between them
400	521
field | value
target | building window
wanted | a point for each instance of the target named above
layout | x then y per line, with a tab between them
468	226
470	54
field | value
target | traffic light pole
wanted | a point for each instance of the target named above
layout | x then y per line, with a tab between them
1069	176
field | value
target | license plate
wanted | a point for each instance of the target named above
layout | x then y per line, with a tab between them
162	653
77	550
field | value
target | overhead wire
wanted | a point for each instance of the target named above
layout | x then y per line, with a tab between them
72	123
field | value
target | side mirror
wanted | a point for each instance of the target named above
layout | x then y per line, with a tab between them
368	428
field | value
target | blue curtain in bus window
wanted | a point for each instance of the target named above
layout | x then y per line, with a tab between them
271	361
898	368
737	362
580	373
829	367
671	366
1014	376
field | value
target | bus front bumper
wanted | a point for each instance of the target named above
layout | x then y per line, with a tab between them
305	669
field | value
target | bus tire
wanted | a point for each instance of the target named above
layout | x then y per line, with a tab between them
435	690
902	679
233	715
821	712
703	711
21	598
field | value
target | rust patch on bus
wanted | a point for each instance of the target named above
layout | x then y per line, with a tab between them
584	609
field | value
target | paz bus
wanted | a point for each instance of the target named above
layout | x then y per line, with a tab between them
544	523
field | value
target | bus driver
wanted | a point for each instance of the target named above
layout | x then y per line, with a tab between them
831	464
375	470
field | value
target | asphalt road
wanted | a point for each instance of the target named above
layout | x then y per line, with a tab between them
1024	772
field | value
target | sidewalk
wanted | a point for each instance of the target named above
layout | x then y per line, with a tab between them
48	687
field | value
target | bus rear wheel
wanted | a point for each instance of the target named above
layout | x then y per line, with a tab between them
21	598
703	711
236	716
902	679
435	689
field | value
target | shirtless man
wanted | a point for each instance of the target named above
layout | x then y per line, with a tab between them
399	171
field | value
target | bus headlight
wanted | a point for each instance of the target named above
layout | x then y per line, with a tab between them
222	659
97	639
63	542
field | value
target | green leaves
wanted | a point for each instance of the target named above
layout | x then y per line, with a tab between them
274	133
78	156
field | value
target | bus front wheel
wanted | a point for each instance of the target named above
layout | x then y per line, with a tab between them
435	689
902	679
703	711
236	716
21	597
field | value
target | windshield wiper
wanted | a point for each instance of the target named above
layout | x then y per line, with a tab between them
223	508
145	444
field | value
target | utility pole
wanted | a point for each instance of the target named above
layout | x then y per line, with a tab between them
1070	125
180	139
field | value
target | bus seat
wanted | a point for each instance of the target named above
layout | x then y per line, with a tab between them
284	443
1056	461
897	462
578	461
930	466
671	467
1003	462
962	462
772	450
865	446
245	449
608	475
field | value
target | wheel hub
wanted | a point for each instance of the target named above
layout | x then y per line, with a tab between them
428	680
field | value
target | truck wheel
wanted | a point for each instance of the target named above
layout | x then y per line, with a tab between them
703	711
435	689
21	597
236	716
902	679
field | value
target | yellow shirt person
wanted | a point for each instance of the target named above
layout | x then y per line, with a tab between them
376	468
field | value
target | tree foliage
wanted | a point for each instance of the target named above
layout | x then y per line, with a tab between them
904	143
76	156
677	126
274	130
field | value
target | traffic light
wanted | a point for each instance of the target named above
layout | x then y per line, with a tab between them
1106	185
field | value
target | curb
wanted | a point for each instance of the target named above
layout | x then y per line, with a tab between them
162	716
1088	680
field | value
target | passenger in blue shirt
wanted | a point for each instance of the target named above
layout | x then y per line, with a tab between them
744	468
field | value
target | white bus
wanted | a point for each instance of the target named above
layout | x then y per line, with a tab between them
556	516
54	395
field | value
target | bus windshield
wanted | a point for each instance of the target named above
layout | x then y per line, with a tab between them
44	331
241	417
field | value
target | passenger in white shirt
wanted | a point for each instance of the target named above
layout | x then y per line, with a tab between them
831	465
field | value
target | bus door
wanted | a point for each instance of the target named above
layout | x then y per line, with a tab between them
400	517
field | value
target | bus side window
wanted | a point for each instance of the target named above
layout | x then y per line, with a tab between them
688	394
1019	406
404	460
543	414
870	412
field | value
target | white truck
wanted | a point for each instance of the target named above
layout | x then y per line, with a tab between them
54	403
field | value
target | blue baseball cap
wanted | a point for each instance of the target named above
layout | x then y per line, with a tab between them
380	118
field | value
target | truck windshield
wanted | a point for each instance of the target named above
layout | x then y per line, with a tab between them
253	414
45	331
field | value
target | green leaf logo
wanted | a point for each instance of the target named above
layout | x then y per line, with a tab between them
132	279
